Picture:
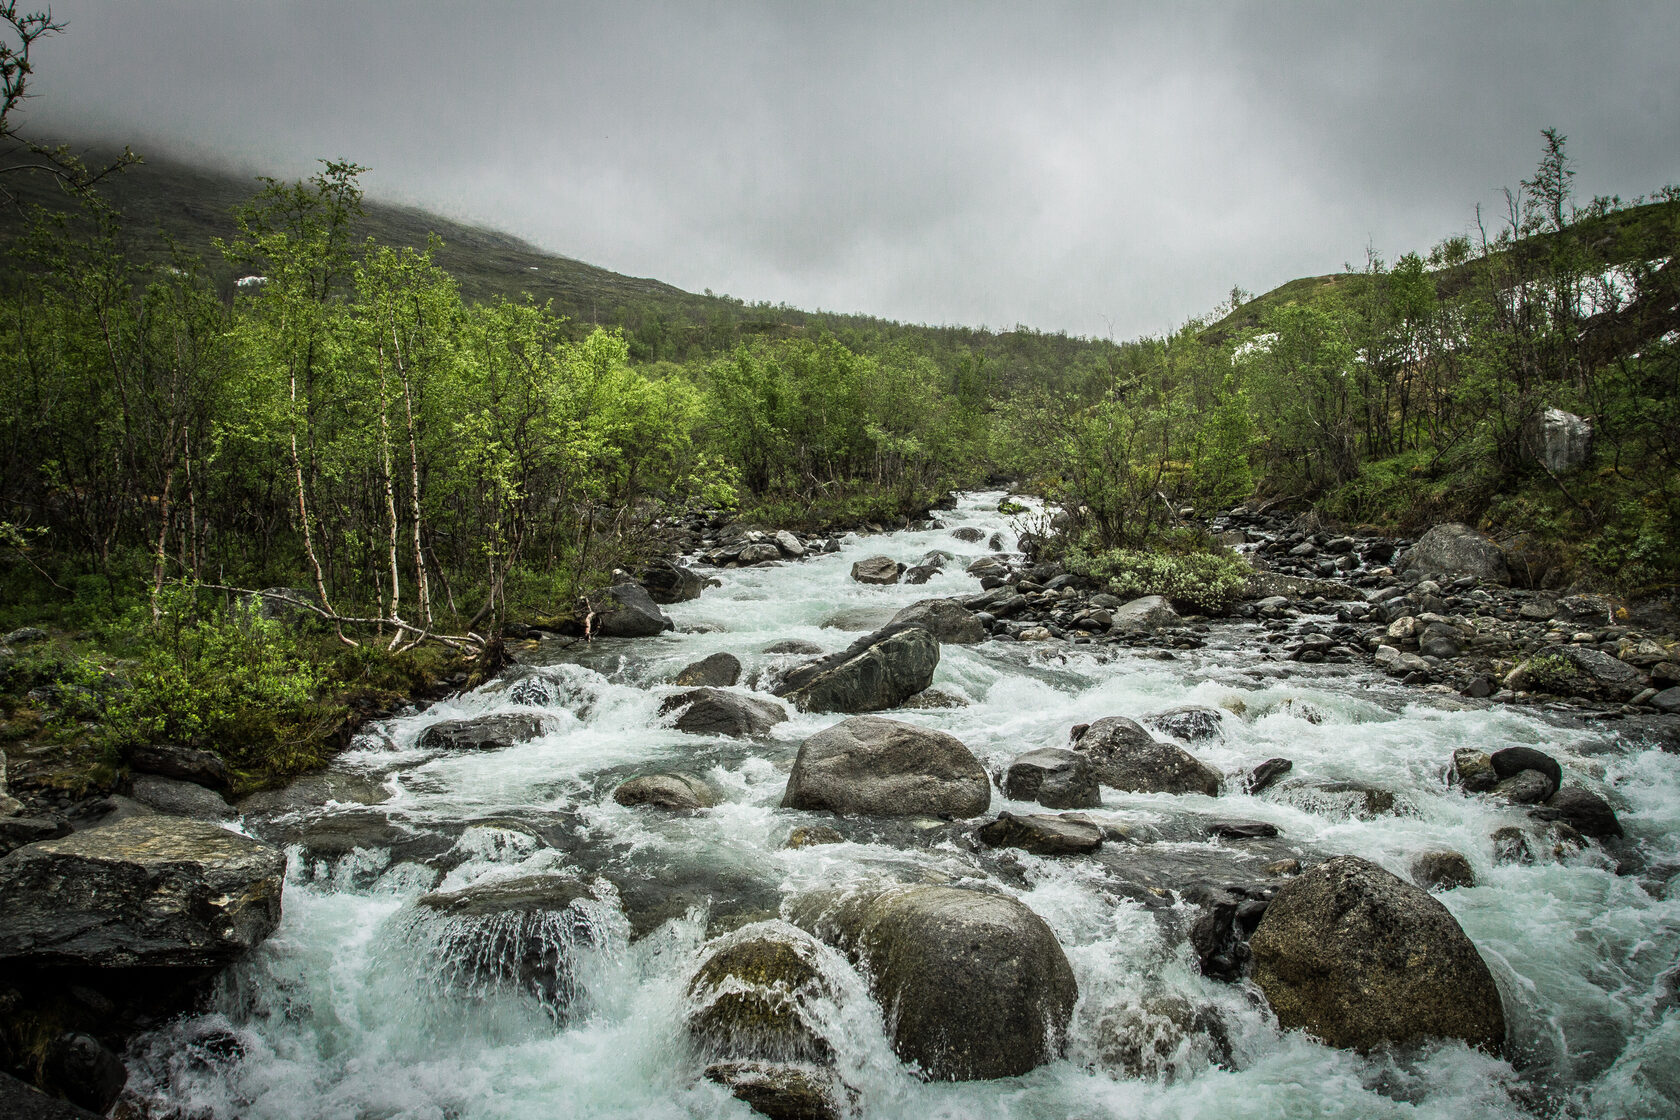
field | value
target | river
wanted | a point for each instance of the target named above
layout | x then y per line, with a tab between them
347	1010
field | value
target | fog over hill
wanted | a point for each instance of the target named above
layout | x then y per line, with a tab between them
1095	168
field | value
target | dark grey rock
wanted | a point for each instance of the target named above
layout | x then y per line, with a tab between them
1361	958
83	1071
794	645
945	619
671	792
1473	770
1585	811
881	767
877	672
1442	870
626	610
1053	777
185	764
1511	761
482	733
1526	787
19	1101
153	891
784	1090
183	799
1124	756
720	670
712	711
1043	834
666	582
1266	775
974	985
1189	722
1455	549
877	570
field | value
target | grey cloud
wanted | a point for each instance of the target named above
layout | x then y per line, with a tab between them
1065	166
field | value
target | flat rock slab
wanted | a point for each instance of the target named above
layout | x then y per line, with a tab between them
152	891
1042	834
482	734
712	711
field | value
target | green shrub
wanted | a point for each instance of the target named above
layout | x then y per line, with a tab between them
1205	579
1551	672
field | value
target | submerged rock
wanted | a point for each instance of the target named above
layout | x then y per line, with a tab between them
1124	756
1053	777
752	996
784	1090
881	767
672	792
973	985
712	711
1442	870
1190	722
945	619
1360	958
877	672
483	733
153	891
720	670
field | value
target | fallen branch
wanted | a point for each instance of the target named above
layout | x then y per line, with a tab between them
468	640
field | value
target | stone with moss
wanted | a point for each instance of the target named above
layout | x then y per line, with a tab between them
751	995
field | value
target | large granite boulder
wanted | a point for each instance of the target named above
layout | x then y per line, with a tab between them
1151	612
628	611
1053	777
720	670
152	891
752	995
1362	958
712	711
876	672
973	985
666	582
1124	756
482	733
671	792
945	619
1454	550
881	767
878	570
185	764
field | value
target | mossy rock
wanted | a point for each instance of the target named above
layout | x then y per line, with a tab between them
749	995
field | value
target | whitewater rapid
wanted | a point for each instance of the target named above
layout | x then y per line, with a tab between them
346	1011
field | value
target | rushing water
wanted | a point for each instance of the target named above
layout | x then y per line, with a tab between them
360	1007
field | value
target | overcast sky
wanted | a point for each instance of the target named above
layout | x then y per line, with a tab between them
1093	168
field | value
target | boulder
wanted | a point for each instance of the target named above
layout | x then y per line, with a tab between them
17	830
973	985
482	733
1124	756
1606	676
1526	787
712	711
183	799
934	699
20	1101
968	534
666	582
881	767
877	570
1583	810
182	763
751	996
919	574
1151	612
152	891
720	670
784	1090
945	619
1042	834
1511	761
1442	870
811	835
673	792
1455	549
627	611
790	545
1561	440
794	645
759	552
79	1068
1473	770
1189	722
1361	958
1053	777
1667	701
878	671
1266	775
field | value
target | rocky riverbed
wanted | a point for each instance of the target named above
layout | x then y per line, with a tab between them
911	824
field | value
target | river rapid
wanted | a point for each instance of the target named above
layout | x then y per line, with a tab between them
355	1009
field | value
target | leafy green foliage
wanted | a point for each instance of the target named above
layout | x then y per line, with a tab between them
1209	580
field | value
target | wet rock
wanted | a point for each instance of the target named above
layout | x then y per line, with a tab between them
712	711
876	672
1455	549
1190	722
757	553
751	995
945	619
1526	787
881	767
1360	958
919	574
184	764
1242	830
521	933
19	1101
628	611
794	645
1585	811
1053	777
79	1068
1266	775
1161	1036
720	670
790	545
666	582
154	891
1124	756
1561	440
341	834
784	1090
934	699
1343	799
968	534
1510	845
672	792
484	733
1042	834
808	836
1511	761
1151	612
16	831
1473	770
1667	701
183	799
974	985
1442	870
877	570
